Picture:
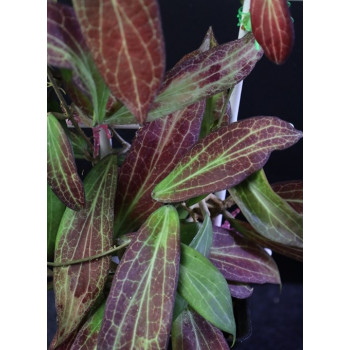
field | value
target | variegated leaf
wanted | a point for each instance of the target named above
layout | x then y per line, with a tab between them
126	41
62	175
155	151
140	304
81	235
226	157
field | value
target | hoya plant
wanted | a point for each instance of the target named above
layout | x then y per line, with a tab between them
138	250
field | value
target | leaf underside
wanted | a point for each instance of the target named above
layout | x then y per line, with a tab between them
83	234
62	174
226	157
155	151
273	28
240	290
140	304
126	41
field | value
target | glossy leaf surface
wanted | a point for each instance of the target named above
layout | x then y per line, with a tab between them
67	49
248	231
268	213
240	290
155	151
201	76
204	237
292	193
86	338
83	234
62	175
140	304
238	259
190	331
226	157
55	210
273	28
126	41
205	289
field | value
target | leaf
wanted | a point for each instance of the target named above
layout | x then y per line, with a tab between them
226	157
291	192
204	238
240	290
188	231
179	306
86	338
240	260
272	27
126	41
155	151
190	331
267	212
79	145
83	234
140	304
62	174
55	210
248	232
199	77
205	289
67	49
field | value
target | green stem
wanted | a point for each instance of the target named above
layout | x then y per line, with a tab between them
90	258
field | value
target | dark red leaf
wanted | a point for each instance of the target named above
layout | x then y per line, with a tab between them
273	28
126	41
292	192
240	290
155	151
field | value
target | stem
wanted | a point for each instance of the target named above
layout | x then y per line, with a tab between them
235	99
126	145
90	258
204	208
65	107
105	144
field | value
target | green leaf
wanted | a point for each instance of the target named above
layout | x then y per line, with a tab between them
204	238
62	174
291	192
226	157
79	145
268	213
55	210
188	230
83	234
205	289
140	304
179	306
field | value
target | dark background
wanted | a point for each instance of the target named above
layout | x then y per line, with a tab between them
275	317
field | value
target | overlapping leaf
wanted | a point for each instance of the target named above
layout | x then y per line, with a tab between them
62	175
155	151
268	213
200	76
204	237
126	41
248	231
67	49
83	234
55	210
291	192
240	290
205	289
238	259
226	157
190	331
140	304
273	28
86	338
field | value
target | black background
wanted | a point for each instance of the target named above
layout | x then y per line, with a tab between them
276	318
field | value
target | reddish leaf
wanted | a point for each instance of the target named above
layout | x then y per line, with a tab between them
140	304
191	331
62	174
273	28
241	261
83	234
199	77
226	157
292	192
126	41
240	290
248	231
155	151
66	345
